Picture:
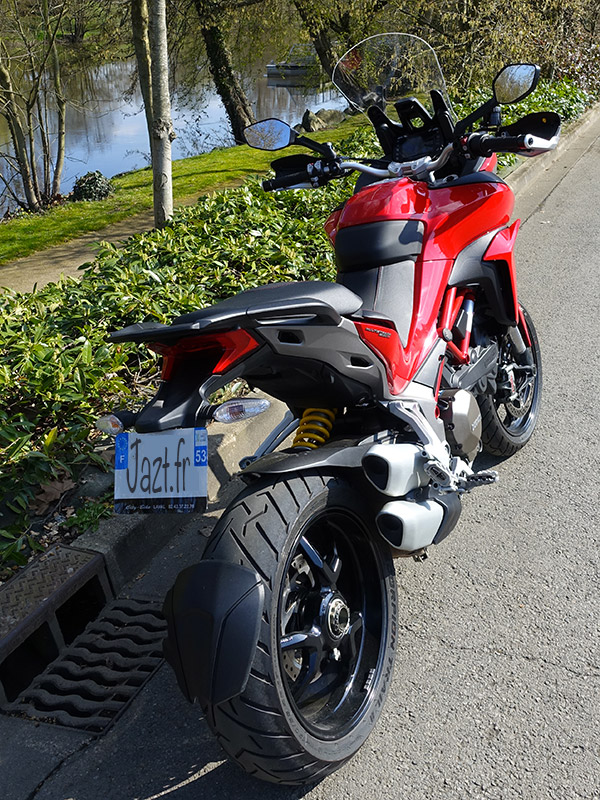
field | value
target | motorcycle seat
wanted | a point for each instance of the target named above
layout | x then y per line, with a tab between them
328	302
282	298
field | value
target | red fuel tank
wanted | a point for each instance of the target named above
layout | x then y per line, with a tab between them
453	216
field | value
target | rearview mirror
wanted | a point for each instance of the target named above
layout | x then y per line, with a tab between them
269	134
514	82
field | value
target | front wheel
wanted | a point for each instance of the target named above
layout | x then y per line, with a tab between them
508	417
324	657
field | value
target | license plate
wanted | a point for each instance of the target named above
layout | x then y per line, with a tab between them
165	471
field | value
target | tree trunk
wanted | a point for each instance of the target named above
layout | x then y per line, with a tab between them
333	31
61	106
229	89
32	155
42	113
162	125
141	45
318	27
13	115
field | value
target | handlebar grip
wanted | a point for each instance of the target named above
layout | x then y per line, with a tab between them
285	181
482	144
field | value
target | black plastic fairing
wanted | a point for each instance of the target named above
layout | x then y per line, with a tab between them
342	454
387	290
429	371
177	404
467	179
306	382
387	131
213	614
545	124
375	244
493	277
143	332
303	365
290	164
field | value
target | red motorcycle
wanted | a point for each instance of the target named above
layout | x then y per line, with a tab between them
395	377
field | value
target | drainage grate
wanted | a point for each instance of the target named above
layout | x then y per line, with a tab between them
93	680
44	608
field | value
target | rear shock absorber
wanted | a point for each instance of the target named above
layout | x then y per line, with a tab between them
314	428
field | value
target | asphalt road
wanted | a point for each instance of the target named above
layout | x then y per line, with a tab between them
496	692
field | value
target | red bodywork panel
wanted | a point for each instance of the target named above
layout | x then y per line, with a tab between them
403	362
453	217
490	164
225	348
502	249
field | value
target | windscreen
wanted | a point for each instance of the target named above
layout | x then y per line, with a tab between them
389	67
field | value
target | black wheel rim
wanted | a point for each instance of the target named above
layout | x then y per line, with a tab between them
332	619
517	400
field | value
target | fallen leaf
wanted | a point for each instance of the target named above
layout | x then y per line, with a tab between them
50	493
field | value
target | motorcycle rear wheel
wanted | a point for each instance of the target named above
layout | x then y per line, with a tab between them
324	659
507	425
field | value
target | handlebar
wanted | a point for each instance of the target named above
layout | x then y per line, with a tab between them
482	144
321	172
285	181
475	144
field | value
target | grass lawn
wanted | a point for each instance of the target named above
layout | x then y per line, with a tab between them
133	193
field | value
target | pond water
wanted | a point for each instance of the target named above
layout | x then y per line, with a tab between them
106	125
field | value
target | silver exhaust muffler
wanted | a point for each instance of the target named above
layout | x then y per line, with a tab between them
410	526
395	469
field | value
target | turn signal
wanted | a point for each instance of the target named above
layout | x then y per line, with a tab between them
240	408
110	424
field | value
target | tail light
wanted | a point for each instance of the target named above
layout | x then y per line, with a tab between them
226	348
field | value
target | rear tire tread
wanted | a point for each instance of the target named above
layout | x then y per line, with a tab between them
234	723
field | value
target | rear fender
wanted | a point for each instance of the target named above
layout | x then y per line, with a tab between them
182	401
213	614
345	453
177	404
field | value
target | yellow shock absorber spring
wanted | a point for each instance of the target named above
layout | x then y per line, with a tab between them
314	428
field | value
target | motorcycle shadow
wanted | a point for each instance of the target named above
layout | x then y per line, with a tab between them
486	461
189	766
222	483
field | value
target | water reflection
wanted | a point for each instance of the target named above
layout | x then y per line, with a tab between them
106	126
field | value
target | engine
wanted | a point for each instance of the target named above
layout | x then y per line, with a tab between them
461	416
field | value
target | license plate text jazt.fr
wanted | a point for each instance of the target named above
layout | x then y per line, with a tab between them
165	471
